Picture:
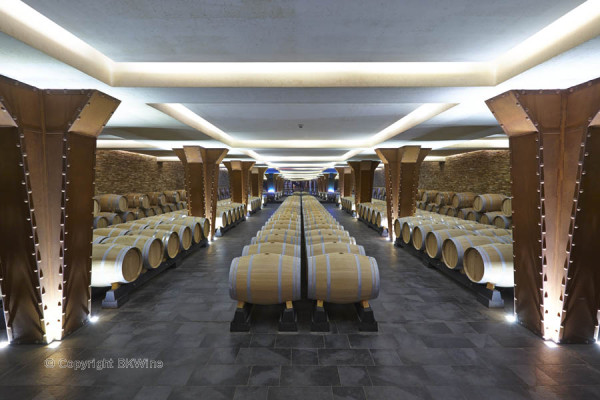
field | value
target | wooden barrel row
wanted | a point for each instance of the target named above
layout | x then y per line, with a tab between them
155	239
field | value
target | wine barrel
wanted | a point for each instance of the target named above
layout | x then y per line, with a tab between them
204	224
265	279
453	249
96	207
172	196
127	216
157	199
493	232
170	240
138	200
334	247
98	239
471	225
342	278
182	194
507	207
473	215
222	219
132	226
277	231
312	240
503	222
490	263
452	212
435	239
137	213
196	229
326	225
112	202
157	210
429	196
444	198
111	218
100	222
110	232
488	202
148	212
420	231
488	217
113	263
283	225
286	237
183	231
321	232
272	247
463	200
152	249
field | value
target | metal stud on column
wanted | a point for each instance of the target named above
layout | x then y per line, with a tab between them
47	160
401	169
363	180
554	138
239	180
194	179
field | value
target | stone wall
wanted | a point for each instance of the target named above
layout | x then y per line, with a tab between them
484	171
125	172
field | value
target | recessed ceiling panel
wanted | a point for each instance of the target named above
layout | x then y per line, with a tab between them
301	121
307	30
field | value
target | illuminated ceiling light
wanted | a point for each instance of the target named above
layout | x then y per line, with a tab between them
4	344
54	344
122	144
510	318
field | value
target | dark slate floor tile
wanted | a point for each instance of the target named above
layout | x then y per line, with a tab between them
336	341
395	392
263	340
572	374
224	355
251	393
300	393
309	376
299	341
264	376
202	393
264	356
445	392
348	393
447	341
370	341
399	376
386	357
305	357
427	328
153	393
220	375
227	340
345	357
354	376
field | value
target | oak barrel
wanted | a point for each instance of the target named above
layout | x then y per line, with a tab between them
152	249
111	232
342	278
286	237
490	263
312	240
453	249
463	199
435	239
112	202
183	231
113	263
100	222
334	247
488	202
272	247
265	279
507	207
137	200
111	218
169	239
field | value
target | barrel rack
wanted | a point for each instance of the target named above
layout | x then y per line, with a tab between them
489	296
379	229
118	295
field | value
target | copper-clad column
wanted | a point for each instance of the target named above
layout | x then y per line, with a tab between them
340	171
239	180
191	158
401	170
47	160
554	139
257	177
348	182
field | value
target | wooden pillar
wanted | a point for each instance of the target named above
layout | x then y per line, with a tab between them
401	169
363	180
194	179
47	161
239	180
554	138
348	182
256	181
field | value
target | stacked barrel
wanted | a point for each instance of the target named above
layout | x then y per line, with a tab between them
254	204
269	270
229	213
112	209
338	270
490	209
122	252
374	213
347	204
482	252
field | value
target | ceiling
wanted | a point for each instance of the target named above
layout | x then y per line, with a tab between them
356	75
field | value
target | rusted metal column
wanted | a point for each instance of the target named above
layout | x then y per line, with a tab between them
47	160
363	180
239	180
554	138
401	171
194	179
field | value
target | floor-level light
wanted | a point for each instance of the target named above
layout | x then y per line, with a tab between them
550	344
54	344
510	318
4	344
94	319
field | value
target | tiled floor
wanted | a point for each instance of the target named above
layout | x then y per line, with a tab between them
435	342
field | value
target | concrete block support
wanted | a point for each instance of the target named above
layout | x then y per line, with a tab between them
554	138
47	160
